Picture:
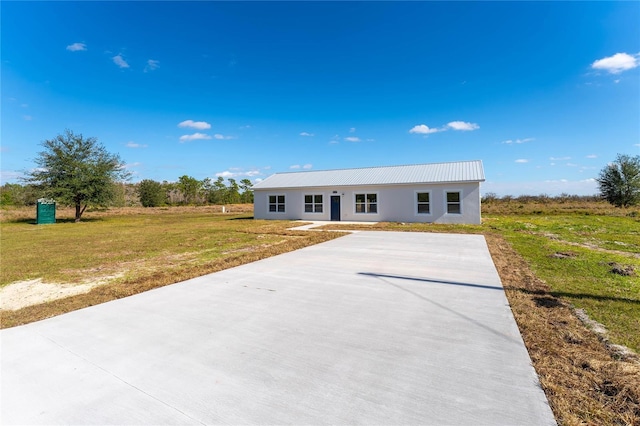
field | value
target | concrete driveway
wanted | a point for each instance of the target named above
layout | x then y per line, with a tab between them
371	328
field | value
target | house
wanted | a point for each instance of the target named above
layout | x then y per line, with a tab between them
438	192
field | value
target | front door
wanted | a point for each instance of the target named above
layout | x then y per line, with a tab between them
335	207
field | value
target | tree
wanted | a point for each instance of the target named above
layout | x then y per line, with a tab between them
151	193
76	170
190	188
247	192
233	192
13	194
619	182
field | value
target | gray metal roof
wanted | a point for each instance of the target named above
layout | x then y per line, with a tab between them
459	171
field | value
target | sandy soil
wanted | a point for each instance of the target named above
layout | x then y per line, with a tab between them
20	294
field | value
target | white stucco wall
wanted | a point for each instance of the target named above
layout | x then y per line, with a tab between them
396	203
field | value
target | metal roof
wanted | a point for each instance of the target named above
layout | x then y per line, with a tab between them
459	171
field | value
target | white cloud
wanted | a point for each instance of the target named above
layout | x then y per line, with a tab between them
352	130
572	165
222	137
352	139
307	166
522	160
152	65
258	180
591	156
559	158
27	117
235	172
193	137
462	125
306	134
518	141
200	125
295	167
617	63
24	105
131	165
119	61
423	129
132	144
77	47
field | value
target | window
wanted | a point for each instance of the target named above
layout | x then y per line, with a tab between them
276	203
453	203
313	203
422	199
366	203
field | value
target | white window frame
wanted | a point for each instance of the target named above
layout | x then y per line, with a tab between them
366	204
283	204
446	201
313	203
416	202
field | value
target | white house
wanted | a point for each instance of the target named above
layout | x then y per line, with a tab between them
438	192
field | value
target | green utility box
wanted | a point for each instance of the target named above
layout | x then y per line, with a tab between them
45	211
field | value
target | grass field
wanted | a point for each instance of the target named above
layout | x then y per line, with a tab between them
553	258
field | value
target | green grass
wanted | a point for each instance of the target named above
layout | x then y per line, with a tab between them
128	244
585	280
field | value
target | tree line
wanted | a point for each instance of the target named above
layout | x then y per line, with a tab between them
147	193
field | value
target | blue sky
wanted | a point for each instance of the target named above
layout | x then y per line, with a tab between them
545	93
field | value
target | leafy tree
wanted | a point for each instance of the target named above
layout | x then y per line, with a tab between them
190	188
216	190
76	170
619	181
151	193
247	192
233	192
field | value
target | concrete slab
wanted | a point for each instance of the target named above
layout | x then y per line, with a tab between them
371	328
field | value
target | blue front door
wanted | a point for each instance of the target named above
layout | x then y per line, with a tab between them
335	207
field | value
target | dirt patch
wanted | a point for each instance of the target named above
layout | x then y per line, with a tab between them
20	294
624	270
589	246
563	254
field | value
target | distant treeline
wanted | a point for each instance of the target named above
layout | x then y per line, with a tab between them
491	197
149	193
